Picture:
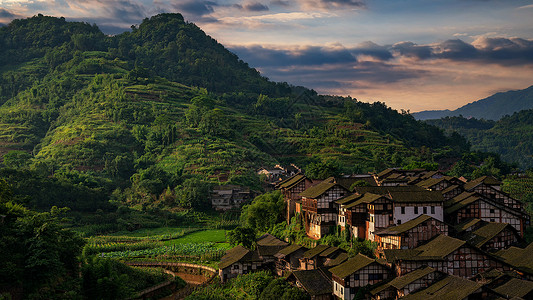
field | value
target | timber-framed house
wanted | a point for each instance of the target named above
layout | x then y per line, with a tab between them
319	208
446	254
411	234
291	189
404	285
469	205
355	273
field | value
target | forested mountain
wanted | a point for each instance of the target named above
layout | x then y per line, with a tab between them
155	116
490	108
511	136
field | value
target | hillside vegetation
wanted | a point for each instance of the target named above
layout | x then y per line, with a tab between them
511	136
152	118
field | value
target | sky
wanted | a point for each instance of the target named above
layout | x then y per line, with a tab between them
411	54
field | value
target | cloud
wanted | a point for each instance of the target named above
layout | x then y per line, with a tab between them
256	6
301	56
332	4
373	50
273	19
197	8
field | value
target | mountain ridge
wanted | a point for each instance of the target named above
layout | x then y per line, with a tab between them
491	108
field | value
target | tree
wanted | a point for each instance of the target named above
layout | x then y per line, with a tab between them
244	236
264	212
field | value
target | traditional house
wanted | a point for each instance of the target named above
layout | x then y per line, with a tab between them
446	254
491	237
452	191
410	234
238	261
289	259
291	189
267	246
224	197
489	187
410	202
470	205
521	259
405	285
318	256
319	209
515	289
355	273
450	287
316	283
272	175
364	214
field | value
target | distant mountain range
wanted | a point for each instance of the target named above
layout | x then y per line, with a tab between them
490	108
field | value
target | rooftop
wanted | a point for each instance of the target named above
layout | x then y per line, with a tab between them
451	288
436	249
402	281
396	230
315	251
317	190
289	250
351	266
515	288
315	282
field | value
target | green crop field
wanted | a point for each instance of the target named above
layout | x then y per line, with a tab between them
212	235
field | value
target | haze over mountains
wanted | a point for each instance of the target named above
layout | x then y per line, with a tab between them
490	108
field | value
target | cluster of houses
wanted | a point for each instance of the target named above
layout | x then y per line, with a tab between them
438	237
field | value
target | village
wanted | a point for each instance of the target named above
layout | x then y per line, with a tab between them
436	237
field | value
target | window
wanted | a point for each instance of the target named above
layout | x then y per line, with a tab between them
356	276
399	222
375	276
403	210
433	209
425	210
342	194
416	209
236	267
492	220
491	210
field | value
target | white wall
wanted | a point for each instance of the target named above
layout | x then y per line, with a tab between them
410	213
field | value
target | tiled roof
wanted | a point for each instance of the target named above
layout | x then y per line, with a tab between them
331	250
349	198
430	182
519	258
315	282
317	190
292	181
449	288
449	189
515	288
315	251
270	240
482	235
402	281
366	198
338	260
395	230
234	255
436	249
466	224
289	250
351	266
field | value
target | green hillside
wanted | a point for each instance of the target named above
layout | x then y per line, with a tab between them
511	136
151	118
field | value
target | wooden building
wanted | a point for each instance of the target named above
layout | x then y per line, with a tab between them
406	284
355	273
450	287
224	197
469	205
446	254
319	208
319	256
491	237
288	259
291	189
411	234
238	261
316	283
521	259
